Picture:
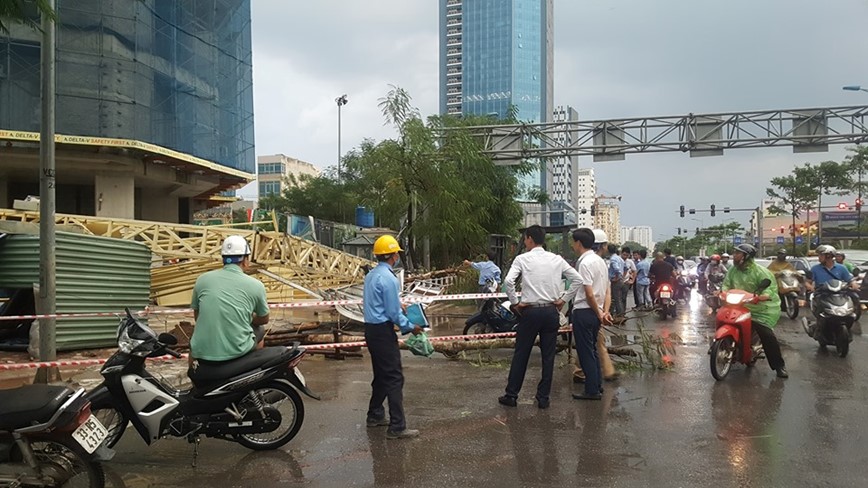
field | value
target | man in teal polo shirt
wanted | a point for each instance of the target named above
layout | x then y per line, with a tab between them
230	307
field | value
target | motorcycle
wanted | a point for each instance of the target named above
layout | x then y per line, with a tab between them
788	289
712	295
734	337
50	438
664	301
832	306
493	316
683	285
252	400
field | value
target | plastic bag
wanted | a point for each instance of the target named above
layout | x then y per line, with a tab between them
420	345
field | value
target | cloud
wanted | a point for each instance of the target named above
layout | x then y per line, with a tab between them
613	58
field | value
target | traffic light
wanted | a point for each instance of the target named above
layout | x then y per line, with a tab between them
725	209
842	206
584	211
782	229
712	210
858	204
697	231
679	231
682	211
593	211
692	211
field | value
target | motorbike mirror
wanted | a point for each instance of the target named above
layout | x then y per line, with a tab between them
765	283
167	339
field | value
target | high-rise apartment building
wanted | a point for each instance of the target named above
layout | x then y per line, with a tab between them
608	218
562	168
273	172
584	191
641	234
497	54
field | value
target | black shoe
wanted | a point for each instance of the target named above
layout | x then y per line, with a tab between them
782	372
507	401
585	396
578	379
377	422
543	404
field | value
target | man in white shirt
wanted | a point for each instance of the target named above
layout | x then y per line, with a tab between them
542	295
590	310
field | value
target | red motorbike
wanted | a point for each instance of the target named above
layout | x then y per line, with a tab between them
735	340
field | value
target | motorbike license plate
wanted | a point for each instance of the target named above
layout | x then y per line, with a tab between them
299	376
665	294
90	434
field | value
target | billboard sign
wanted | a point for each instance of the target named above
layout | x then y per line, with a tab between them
841	224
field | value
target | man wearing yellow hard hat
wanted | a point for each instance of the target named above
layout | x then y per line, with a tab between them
382	313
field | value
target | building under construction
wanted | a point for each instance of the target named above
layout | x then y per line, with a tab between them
154	107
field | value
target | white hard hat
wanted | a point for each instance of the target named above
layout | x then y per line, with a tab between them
235	246
825	249
600	236
724	255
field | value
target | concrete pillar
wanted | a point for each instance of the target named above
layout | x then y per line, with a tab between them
158	205
4	192
114	195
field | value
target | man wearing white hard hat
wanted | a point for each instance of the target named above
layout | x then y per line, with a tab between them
230	307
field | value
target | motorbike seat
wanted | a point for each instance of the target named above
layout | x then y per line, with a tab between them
208	372
30	405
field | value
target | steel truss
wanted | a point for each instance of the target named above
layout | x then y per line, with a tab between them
806	130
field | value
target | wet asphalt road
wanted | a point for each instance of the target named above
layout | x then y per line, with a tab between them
666	428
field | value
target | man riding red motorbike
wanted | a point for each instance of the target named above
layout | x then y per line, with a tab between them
747	275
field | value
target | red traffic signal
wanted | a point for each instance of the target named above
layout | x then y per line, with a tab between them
842	206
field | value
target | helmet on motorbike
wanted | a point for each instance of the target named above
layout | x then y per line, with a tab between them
839	253
715	257
748	250
600	236
703	258
235	246
386	245
825	249
782	252
680	258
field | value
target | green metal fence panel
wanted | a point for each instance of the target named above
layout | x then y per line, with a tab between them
94	274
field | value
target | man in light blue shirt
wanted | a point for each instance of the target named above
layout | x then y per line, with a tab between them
616	276
488	271
382	305
643	280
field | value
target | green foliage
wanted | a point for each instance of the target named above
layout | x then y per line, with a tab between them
24	12
433	182
713	239
633	245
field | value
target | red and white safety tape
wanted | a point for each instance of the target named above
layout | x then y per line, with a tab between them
309	347
311	304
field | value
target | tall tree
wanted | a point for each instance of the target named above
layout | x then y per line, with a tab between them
24	12
857	165
795	193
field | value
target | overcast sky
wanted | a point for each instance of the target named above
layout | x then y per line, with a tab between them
613	58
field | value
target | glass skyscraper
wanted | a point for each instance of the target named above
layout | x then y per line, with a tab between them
495	54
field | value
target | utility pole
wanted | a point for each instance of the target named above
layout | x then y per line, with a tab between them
47	238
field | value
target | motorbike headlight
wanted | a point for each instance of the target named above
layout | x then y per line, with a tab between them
127	344
841	311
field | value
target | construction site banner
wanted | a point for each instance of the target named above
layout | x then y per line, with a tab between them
842	224
17	135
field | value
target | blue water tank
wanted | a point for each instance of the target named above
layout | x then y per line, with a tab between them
364	217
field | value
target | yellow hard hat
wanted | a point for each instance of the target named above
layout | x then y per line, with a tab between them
386	245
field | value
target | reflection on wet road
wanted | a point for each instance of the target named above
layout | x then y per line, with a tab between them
666	428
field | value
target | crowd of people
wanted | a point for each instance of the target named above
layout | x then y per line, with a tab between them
231	309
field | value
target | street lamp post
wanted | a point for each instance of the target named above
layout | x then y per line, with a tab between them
854	88
341	101
858	207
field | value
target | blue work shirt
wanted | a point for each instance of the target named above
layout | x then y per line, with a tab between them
382	299
487	271
643	272
616	268
822	274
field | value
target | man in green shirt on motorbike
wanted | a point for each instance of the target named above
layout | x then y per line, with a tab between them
746	275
